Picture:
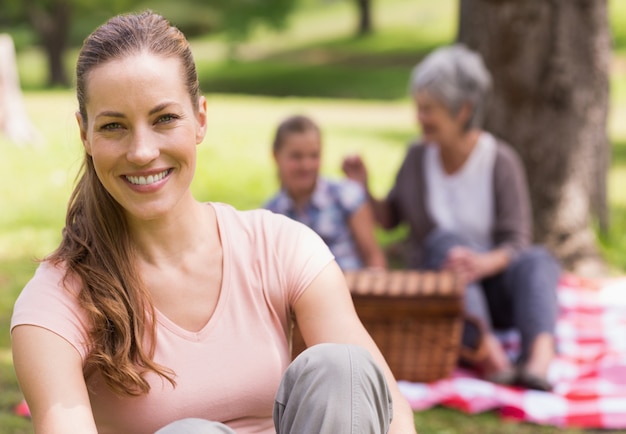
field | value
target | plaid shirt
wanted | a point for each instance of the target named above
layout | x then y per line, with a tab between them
327	213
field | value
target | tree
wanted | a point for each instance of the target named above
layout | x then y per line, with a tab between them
14	121
52	20
365	26
550	63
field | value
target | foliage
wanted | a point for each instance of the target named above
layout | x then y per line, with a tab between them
238	17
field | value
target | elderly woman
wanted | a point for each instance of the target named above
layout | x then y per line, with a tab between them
464	196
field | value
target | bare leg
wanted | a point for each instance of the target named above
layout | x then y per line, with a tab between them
496	366
534	373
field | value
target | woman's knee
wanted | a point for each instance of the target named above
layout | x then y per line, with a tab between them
333	388
329	360
195	426
536	259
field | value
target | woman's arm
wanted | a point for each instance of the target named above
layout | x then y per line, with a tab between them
361	225
50	374
325	313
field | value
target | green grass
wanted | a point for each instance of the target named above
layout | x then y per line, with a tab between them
355	88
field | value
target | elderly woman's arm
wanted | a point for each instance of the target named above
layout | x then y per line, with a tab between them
354	168
513	222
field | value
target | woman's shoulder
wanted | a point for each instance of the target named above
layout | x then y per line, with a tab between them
252	221
50	300
50	274
506	154
415	150
260	229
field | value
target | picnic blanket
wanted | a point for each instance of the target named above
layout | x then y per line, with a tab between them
589	372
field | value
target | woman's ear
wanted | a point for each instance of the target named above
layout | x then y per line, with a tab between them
465	113
82	126
201	119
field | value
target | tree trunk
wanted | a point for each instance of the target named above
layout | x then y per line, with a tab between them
52	26
14	121
550	64
365	17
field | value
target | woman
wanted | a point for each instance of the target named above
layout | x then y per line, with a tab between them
464	196
337	211
158	312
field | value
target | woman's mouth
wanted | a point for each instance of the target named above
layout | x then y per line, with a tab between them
147	180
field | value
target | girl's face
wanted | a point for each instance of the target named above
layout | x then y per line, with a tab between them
141	131
439	125
298	161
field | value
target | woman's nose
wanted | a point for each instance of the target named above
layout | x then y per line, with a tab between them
143	149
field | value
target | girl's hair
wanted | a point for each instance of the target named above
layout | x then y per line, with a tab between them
293	124
96	246
455	75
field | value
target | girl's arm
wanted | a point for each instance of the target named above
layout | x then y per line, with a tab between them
361	225
50	374
325	313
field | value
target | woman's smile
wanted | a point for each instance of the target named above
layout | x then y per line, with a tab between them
147	179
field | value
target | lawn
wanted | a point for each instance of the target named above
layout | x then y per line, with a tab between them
355	89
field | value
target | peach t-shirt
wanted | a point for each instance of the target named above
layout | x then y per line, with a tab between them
230	370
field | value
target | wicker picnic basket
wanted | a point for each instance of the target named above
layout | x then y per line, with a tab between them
414	317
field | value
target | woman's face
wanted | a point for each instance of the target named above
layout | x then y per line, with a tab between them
141	131
298	161
438	124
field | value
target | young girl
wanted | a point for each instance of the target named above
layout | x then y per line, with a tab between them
338	211
158	312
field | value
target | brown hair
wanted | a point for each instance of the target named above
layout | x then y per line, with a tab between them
293	124
96	246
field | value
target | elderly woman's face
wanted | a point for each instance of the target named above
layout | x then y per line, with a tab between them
439	125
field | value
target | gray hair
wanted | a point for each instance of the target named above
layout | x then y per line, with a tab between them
455	75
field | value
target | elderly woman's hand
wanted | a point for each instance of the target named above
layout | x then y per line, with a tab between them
472	266
355	169
468	264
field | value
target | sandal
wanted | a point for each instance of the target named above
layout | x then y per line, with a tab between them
507	377
531	381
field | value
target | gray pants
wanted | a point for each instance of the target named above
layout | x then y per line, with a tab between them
327	389
523	296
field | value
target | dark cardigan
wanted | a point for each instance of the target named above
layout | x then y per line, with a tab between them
512	221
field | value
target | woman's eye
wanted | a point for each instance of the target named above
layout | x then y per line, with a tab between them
167	118
111	126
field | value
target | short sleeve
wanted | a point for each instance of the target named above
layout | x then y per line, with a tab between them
49	301
351	196
300	253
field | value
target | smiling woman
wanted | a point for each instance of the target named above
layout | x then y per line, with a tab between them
143	133
158	312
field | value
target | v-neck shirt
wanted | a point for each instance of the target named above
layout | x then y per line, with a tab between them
229	370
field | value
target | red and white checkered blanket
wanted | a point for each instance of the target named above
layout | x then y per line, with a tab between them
589	373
